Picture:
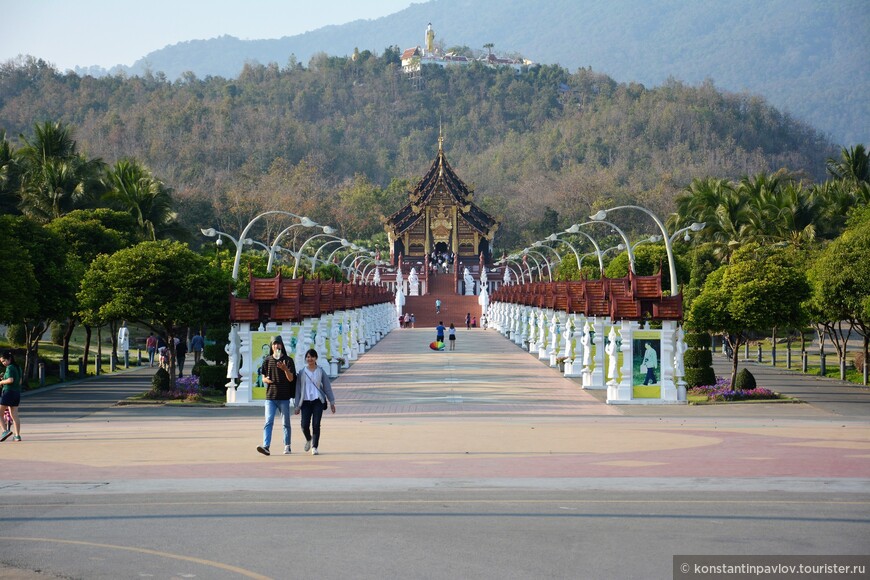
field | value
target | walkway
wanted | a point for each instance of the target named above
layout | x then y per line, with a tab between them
484	454
486	412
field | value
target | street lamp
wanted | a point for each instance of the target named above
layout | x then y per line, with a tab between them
507	266
599	217
619	247
354	253
575	229
695	227
285	231
540	244
342	244
211	232
305	243
516	259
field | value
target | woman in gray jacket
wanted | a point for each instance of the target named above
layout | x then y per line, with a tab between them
313	394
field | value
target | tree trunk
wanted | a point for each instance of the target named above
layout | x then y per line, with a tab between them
113	329
735	354
864	370
99	348
87	352
33	331
773	348
67	337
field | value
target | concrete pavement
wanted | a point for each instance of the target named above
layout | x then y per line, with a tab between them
481	463
487	411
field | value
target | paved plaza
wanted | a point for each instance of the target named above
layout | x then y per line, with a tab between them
96	490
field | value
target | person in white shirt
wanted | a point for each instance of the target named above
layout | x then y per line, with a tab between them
313	395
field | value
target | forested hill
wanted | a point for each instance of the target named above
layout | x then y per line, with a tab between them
804	56
328	140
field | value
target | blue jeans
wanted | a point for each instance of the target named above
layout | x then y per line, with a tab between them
271	407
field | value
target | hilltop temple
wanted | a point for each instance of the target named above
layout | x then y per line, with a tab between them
441	217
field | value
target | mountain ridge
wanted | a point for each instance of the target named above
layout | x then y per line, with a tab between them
804	57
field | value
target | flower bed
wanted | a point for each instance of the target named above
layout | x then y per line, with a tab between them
722	391
186	389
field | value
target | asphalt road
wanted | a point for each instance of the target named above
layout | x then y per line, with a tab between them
482	463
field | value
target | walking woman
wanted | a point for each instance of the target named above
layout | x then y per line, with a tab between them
313	395
10	397
451	336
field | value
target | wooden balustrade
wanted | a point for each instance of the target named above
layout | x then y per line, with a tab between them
630	298
282	299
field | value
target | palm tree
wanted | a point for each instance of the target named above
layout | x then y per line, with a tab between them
715	202
9	177
131	187
55	178
853	165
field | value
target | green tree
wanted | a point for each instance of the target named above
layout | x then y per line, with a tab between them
840	279
10	194
715	202
131	187
88	234
55	178
163	285
853	165
761	288
51	288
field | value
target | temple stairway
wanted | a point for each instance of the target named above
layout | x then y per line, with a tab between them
453	306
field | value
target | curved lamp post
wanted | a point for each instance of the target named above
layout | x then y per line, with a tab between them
305	243
695	227
211	232
575	229
622	235
285	231
519	277
540	244
530	251
525	253
515	258
619	247
601	215
343	244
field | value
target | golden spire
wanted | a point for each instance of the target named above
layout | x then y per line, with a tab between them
440	150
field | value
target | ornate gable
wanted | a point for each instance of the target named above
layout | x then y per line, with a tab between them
441	215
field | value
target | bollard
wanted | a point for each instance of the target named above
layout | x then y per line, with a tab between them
113	363
746	354
139	357
773	356
126	359
759	352
805	361
41	374
788	357
62	371
98	365
81	367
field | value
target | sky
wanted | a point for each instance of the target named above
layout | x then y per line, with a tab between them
70	33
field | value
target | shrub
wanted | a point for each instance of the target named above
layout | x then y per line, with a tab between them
15	334
699	340
215	341
213	376
57	331
697	359
160	380
744	381
698	377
